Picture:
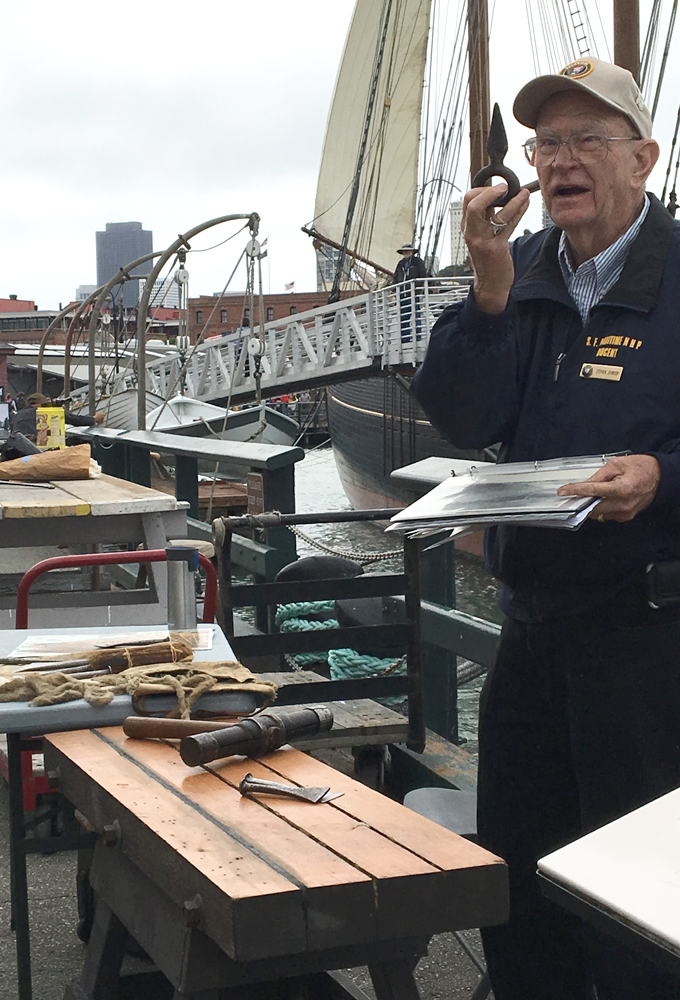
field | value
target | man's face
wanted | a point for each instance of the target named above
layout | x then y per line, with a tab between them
593	196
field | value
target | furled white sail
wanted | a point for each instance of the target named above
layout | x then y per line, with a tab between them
384	217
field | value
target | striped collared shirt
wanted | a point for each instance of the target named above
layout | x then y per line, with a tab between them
593	279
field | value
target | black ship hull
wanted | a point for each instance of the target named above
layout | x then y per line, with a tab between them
377	426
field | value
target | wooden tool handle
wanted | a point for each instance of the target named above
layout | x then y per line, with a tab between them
142	728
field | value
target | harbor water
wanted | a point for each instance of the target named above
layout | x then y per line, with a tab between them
318	488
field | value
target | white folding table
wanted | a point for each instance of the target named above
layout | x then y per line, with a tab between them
625	879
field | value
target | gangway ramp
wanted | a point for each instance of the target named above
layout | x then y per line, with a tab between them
334	343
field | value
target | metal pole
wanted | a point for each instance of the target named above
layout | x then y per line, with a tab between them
45	337
627	35
480	101
102	294
19	884
254	220
323	517
69	340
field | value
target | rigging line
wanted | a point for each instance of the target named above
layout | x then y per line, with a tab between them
559	51
367	194
603	32
443	108
112	376
370	190
548	36
368	116
562	33
675	175
438	167
143	322
649	48
190	355
532	38
371	145
438	109
589	28
205	249
662	71
576	18
565	34
670	158
431	76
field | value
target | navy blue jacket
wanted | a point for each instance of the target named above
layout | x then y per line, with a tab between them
516	378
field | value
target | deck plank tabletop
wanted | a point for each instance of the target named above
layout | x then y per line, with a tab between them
278	876
105	495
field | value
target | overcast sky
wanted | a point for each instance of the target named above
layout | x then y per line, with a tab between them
173	113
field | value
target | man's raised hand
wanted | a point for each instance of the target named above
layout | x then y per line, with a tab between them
489	253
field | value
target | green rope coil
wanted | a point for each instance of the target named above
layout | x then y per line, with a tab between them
302	608
347	664
344	663
302	625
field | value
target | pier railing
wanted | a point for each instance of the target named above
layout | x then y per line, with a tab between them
384	328
446	632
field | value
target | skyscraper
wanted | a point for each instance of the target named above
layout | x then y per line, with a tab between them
546	221
459	250
120	243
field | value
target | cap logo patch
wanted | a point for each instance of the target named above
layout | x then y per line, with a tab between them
577	70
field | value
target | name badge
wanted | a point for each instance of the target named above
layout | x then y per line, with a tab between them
612	373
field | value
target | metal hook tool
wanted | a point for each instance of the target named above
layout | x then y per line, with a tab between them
250	785
497	147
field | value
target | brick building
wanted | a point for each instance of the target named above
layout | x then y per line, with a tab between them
233	310
27	327
15	305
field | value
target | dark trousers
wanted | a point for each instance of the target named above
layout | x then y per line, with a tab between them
579	724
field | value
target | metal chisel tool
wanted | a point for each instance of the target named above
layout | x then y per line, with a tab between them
258	786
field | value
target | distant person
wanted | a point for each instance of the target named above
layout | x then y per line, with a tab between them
21	401
11	403
409	267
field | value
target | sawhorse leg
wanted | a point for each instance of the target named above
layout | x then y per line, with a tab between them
100	977
394	980
17	858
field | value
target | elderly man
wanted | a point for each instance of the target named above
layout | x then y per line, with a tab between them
569	344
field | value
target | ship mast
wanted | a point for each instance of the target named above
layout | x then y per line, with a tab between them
478	60
627	35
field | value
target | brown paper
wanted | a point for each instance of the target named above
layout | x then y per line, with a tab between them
67	463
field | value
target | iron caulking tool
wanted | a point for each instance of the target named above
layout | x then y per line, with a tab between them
257	735
497	147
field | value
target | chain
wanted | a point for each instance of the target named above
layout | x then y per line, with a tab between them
360	557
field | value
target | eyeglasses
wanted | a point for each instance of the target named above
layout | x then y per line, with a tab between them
585	147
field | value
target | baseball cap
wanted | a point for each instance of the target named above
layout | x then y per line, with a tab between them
611	84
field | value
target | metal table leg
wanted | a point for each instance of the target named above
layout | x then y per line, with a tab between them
19	890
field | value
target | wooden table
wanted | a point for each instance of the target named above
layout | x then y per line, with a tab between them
71	517
223	891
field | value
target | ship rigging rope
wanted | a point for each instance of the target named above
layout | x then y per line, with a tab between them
670	159
190	355
112	376
443	129
664	58
116	376
648	56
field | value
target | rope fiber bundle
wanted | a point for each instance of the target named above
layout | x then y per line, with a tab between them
344	664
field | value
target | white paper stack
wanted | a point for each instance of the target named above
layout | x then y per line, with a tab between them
516	493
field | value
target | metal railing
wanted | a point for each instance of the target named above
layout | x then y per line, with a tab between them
387	327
